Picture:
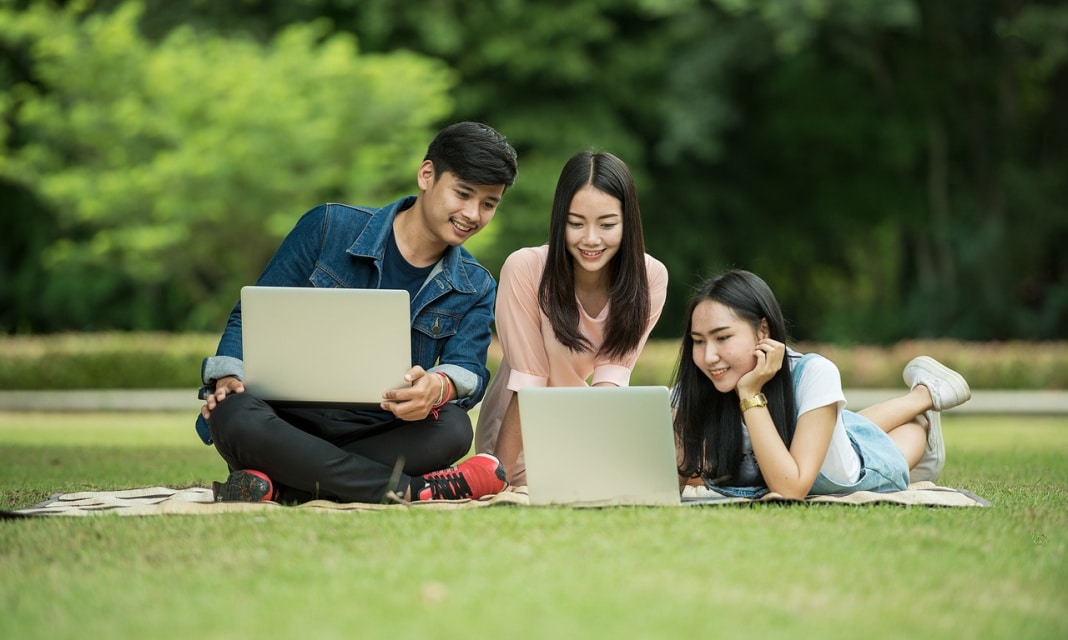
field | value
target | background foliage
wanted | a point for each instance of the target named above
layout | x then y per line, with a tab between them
894	169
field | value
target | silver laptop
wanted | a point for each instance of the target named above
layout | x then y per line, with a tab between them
325	346
599	446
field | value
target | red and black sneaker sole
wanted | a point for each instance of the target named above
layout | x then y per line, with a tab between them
243	486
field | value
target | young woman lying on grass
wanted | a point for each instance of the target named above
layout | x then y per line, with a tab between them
752	415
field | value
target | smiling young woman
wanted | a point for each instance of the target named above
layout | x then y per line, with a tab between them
753	415
577	310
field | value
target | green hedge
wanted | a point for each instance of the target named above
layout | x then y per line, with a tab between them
986	365
104	361
161	361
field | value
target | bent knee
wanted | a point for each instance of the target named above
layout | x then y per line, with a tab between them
236	416
454	431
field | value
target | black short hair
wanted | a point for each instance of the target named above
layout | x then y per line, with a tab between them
475	153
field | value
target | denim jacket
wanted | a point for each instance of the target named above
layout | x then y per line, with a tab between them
335	245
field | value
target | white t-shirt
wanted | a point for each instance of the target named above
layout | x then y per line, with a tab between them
820	384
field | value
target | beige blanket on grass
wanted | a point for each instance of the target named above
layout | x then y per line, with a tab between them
198	500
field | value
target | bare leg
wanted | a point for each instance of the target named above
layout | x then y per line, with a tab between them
903	420
893	413
911	438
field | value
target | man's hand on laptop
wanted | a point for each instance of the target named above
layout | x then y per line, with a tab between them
223	387
416	401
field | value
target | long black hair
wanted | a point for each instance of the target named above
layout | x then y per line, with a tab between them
708	423
628	280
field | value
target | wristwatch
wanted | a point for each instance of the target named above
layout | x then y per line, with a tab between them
759	400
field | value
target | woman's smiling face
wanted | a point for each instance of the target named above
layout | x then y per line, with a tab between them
594	228
724	345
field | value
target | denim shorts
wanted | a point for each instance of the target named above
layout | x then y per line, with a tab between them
882	464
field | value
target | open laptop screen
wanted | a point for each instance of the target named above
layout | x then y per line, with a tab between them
599	446
309	345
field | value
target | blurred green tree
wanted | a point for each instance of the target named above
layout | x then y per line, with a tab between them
175	168
894	169
864	157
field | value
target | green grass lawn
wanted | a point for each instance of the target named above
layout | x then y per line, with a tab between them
790	571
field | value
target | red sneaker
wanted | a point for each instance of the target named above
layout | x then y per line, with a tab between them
478	476
244	485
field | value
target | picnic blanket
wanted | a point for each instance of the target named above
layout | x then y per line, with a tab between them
198	500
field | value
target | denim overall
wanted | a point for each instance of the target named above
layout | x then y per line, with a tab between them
882	464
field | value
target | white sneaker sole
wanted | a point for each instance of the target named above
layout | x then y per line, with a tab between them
940	372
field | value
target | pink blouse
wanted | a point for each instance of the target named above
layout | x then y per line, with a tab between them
532	355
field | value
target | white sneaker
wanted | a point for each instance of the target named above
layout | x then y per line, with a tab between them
947	387
930	466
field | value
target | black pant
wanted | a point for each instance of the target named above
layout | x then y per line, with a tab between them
335	454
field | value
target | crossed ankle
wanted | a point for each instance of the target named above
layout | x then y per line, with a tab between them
946	387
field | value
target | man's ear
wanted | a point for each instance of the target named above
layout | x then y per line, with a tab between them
425	176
